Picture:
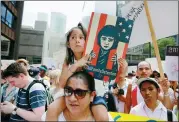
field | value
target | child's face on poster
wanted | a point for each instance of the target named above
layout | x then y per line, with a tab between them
106	42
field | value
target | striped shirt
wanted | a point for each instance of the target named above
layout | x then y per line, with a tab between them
37	98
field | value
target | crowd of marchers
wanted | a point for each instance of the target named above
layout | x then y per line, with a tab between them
43	94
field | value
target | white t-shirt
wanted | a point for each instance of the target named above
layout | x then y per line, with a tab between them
62	118
159	113
36	86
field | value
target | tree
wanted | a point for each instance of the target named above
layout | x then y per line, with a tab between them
162	45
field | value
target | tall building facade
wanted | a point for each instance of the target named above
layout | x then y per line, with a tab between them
42	16
40	25
11	19
31	45
58	23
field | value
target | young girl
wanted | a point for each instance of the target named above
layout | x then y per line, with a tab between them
75	61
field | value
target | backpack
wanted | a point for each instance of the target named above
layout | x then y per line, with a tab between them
50	98
169	116
109	99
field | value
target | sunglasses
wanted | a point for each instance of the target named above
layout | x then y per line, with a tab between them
79	93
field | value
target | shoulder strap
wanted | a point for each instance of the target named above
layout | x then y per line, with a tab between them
27	91
169	116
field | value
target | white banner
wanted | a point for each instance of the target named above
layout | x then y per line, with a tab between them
164	15
171	60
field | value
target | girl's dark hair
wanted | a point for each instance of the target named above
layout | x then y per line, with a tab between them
109	30
69	53
86	77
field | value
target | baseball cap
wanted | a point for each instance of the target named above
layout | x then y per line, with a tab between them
151	80
33	71
42	67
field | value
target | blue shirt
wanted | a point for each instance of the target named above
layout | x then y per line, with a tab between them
37	98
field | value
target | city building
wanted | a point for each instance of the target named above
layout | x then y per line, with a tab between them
31	45
58	23
11	19
40	25
42	16
42	21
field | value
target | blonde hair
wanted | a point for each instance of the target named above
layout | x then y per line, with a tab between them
23	61
55	75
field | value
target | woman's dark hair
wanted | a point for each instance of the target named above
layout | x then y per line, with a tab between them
86	77
109	30
69	53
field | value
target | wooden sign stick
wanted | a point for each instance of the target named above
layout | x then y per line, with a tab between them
154	40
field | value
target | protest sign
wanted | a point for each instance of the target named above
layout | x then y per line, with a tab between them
107	40
171	62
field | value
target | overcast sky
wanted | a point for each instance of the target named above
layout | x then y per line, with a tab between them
72	9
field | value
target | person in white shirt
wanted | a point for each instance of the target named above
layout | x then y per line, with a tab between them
144	70
151	107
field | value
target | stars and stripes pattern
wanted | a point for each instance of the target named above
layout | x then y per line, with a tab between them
97	22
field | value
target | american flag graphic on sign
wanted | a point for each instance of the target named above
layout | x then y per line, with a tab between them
107	40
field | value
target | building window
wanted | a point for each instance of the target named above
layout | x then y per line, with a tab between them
6	16
3	12
37	60
9	18
5	46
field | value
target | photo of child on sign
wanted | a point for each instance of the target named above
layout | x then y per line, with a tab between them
107	41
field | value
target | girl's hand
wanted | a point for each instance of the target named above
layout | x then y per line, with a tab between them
83	62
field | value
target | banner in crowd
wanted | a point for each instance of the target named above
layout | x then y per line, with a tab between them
171	61
164	15
107	40
129	117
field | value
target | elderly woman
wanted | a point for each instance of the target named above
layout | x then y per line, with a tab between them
79	92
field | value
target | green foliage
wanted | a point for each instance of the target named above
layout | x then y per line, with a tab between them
162	45
146	48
